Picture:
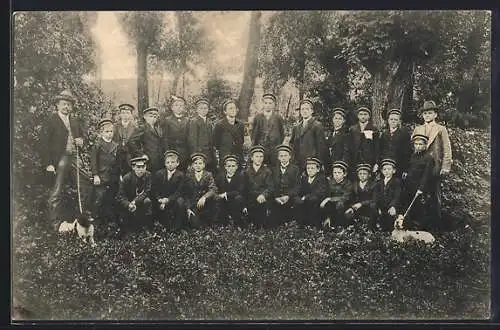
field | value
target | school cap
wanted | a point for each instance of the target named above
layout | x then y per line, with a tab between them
339	111
171	153
65	95
341	164
255	149
202	100
176	98
226	102
197	155
269	96
388	161
313	160
306	101
230	158
420	137
363	166
103	122
365	109
126	106
152	109
395	111
141	160
284	147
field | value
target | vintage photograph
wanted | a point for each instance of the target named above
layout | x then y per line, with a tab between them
251	165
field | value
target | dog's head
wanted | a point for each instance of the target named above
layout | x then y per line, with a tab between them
85	220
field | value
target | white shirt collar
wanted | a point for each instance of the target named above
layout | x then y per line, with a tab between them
386	180
255	168
362	184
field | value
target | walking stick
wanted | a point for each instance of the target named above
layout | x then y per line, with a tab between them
78	181
399	220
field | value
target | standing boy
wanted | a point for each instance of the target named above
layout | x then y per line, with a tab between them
230	187
337	139
175	132
439	147
200	134
362	204
387	194
268	129
229	133
147	139
363	140
339	194
122	133
286	177
134	196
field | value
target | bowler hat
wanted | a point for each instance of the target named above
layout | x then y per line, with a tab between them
65	95
429	105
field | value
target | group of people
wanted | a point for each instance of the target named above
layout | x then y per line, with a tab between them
182	172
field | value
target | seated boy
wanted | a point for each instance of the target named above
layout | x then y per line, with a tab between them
105	165
363	205
230	184
169	187
313	189
387	193
339	194
134	196
258	187
286	178
202	190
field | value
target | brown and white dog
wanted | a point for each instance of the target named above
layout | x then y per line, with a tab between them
400	235
83	227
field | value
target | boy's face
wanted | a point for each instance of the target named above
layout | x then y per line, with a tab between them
306	110
419	145
283	157
231	166
429	115
363	175
202	109
64	106
178	108
312	169
198	165
363	116
394	120
338	174
231	110
257	158
171	162
107	132
151	117
338	120
388	171
139	169
269	105
125	115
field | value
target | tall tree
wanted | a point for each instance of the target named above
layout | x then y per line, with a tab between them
251	66
143	28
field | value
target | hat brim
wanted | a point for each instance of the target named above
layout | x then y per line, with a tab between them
65	98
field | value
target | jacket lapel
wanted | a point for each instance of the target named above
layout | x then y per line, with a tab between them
303	129
433	133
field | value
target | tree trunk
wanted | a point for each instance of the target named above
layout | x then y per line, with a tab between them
251	63
142	79
302	69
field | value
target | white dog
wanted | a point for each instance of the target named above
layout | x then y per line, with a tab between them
82	226
400	235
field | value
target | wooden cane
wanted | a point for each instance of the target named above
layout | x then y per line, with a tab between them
411	204
78	181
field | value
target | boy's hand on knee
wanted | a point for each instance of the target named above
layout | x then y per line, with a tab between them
201	202
261	199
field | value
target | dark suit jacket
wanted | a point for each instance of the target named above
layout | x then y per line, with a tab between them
309	141
361	149
200	138
420	173
398	147
228	139
131	185
316	191
338	146
146	140
268	133
387	196
54	136
121	134
172	189
175	136
288	182
196	189
104	160
232	189
260	182
340	192
363	196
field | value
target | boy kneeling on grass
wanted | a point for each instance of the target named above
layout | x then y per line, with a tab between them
387	194
339	195
363	205
134	196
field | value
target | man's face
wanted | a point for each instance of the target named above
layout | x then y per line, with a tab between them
306	110
363	116
312	169
231	166
231	110
419	145
198	165
338	174
178	108
202	109
107	132
429	115
363	175
64	106
257	158
283	157
139	169
394	120
269	105
171	162
388	171
151	117
338	120
125	115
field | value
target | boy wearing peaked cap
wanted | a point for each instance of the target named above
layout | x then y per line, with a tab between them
134	196
387	194
286	177
313	189
258	187
339	194
201	190
122	133
230	187
268	129
105	166
363	204
168	190
337	139
229	133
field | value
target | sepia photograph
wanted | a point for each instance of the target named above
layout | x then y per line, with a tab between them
251	165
